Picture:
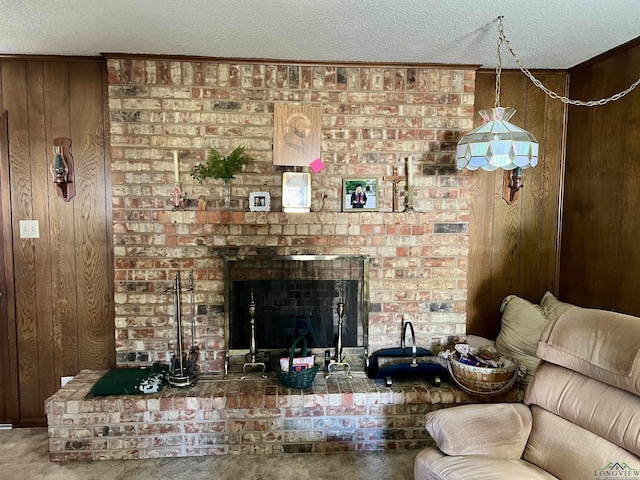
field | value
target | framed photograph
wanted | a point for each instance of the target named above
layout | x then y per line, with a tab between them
259	202
296	192
359	193
297	131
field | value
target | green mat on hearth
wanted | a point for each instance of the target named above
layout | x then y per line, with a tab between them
130	380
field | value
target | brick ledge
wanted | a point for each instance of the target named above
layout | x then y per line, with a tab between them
232	416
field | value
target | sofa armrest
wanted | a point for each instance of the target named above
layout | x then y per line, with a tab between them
492	430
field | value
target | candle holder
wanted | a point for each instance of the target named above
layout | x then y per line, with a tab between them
177	196
409	197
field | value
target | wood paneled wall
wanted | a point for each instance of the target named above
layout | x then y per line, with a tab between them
514	248
8	376
62	314
600	258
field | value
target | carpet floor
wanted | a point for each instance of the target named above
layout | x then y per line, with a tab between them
24	455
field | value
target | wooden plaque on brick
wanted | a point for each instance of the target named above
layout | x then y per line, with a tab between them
296	134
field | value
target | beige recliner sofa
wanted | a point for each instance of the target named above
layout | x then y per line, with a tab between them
580	418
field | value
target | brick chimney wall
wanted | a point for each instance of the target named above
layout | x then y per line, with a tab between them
372	119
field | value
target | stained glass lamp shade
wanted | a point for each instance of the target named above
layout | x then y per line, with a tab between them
497	144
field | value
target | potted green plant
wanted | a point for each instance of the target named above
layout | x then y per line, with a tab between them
222	167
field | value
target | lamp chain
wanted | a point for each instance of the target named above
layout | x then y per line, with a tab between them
499	66
538	83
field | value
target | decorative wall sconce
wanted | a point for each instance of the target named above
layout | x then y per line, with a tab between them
62	169
511	184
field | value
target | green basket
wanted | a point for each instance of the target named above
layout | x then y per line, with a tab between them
301	379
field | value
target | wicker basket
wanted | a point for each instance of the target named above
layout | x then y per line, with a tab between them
301	379
483	380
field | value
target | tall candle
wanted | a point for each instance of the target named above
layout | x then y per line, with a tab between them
176	167
409	172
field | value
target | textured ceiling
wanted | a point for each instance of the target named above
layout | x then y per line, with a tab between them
544	33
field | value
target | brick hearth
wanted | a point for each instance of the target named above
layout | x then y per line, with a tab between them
217	417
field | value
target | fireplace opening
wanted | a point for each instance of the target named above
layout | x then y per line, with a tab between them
296	296
291	308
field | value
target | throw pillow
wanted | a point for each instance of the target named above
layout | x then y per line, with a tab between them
499	430
522	325
552	308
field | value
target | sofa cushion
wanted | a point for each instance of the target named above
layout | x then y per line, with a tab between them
432	464
568	451
608	412
599	344
522	324
498	430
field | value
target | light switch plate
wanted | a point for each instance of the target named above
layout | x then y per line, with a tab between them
29	229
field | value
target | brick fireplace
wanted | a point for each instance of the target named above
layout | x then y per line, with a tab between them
373	117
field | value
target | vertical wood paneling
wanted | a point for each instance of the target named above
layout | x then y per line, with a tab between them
479	312
512	247
552	188
599	255
61	311
5	397
507	219
606	178
39	196
15	101
62	235
530	242
110	274
87	132
9	397
579	204
628	258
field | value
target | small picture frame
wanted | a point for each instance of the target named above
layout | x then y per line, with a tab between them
360	194
296	192
259	202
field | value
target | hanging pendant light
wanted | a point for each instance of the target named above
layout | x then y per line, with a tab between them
497	143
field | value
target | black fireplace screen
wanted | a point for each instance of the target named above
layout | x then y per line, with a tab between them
295	296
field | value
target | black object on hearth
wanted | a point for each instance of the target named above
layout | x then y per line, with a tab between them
405	362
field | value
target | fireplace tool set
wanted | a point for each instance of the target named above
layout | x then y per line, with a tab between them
253	363
338	362
182	369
